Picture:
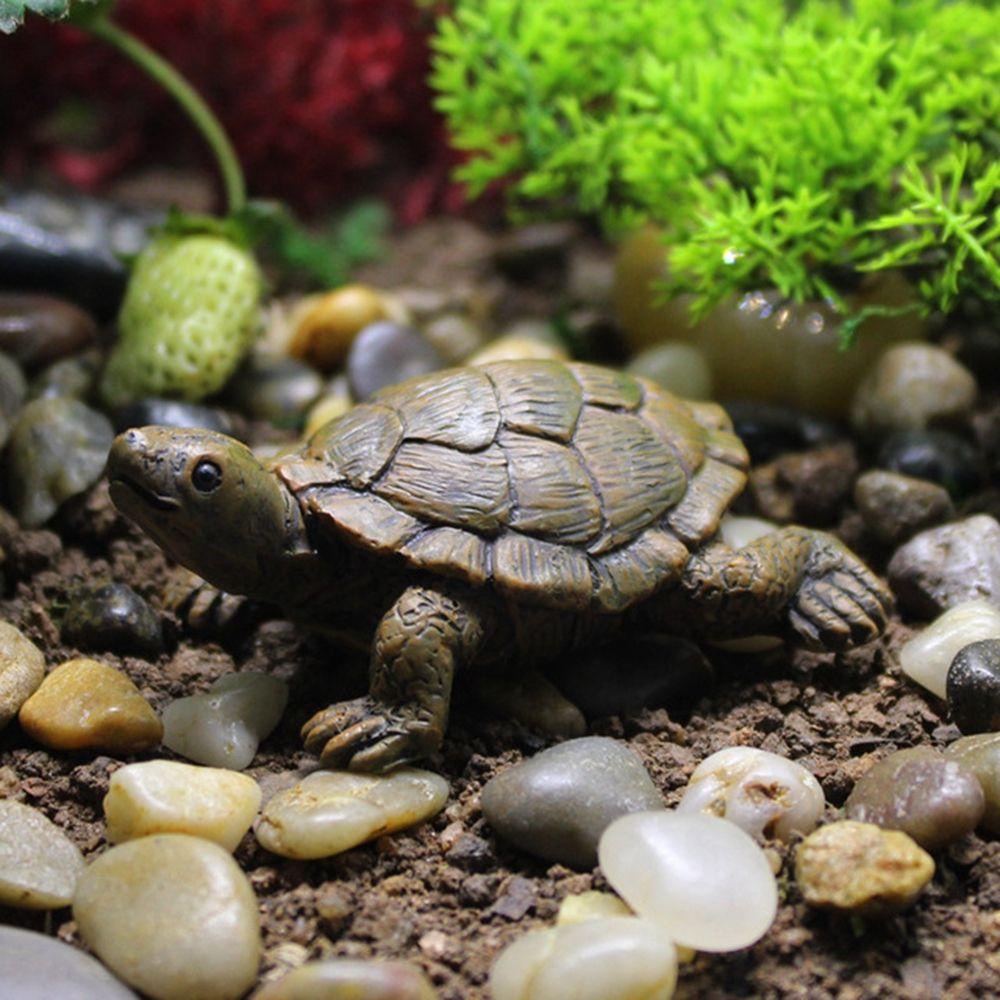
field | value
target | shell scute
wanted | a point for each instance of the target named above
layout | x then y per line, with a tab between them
553	576
537	397
607	387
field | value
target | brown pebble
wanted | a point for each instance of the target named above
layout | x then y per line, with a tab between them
329	323
84	704
37	329
981	755
919	791
858	868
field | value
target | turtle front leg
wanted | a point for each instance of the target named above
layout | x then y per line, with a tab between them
419	643
794	577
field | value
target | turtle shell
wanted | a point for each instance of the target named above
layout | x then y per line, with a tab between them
564	485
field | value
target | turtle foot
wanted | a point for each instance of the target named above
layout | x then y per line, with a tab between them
366	735
840	602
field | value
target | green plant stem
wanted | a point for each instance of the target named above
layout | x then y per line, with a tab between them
185	95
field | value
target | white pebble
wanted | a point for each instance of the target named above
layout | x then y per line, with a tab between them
224	727
613	958
762	793
165	796
39	864
928	655
702	879
736	530
173	916
333	811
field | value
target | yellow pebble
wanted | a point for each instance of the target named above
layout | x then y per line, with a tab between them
327	324
84	704
590	905
520	347
325	409
860	868
350	979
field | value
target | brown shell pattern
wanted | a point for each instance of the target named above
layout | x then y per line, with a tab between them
564	485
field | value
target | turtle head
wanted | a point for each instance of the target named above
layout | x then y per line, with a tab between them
206	501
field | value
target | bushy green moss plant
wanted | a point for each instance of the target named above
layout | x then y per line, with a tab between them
792	144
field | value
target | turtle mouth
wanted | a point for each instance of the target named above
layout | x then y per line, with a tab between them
149	497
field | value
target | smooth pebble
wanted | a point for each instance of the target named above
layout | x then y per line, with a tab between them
173	413
115	618
224	727
534	701
529	345
981	755
764	794
350	979
681	872
84	705
454	336
858	868
166	796
940	456
769	430
325	325
737	530
678	368
173	916
74	376
39	864
385	353
57	449
557	804
38	329
332	811
590	905
927	656
919	791
40	967
895	507
614	958
945	566
335	403
22	668
911	386
274	387
973	687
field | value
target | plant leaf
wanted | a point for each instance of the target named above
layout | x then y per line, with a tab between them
12	11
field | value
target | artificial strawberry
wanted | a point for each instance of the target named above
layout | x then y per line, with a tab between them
188	318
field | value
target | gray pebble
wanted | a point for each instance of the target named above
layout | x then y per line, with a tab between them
57	449
950	565
34	965
386	352
74	376
173	413
13	389
274	387
981	755
973	686
896	507
910	387
113	618
919	791
557	804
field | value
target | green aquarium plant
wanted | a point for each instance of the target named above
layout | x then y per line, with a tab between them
191	304
796	145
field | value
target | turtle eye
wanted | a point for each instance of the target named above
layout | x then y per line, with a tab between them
207	476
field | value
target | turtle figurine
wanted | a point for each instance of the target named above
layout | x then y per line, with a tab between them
488	518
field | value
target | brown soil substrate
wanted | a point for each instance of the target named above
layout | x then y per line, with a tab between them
447	895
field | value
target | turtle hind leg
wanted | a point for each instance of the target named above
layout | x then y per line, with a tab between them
419	643
793	579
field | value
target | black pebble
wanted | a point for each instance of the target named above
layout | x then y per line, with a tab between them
112	618
973	687
939	456
769	430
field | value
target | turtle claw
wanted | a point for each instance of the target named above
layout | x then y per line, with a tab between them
840	602
364	735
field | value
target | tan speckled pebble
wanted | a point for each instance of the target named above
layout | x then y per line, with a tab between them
88	705
350	979
333	811
39	864
165	796
860	868
22	667
173	916
614	958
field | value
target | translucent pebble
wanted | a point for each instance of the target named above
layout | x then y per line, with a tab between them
737	531
591	905
166	796
614	958
39	864
678	368
350	979
928	655
333	811
224	727
763	793
684	872
22	668
173	916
